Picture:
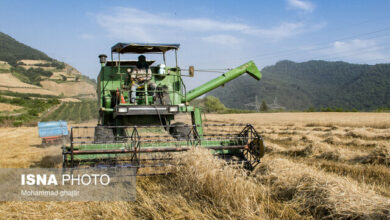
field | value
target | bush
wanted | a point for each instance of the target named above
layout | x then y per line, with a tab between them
382	109
311	109
328	109
32	74
43	64
33	112
58	65
212	104
263	106
17	123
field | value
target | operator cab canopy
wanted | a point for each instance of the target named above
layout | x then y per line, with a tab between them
141	48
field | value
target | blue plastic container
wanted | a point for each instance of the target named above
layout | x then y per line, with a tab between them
52	128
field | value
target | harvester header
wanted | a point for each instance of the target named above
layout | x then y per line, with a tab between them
139	102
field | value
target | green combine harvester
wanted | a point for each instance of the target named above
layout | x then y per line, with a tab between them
140	107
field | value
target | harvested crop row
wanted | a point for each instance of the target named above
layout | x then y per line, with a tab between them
203	187
376	175
319	194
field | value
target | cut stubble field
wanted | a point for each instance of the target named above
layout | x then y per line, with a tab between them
318	165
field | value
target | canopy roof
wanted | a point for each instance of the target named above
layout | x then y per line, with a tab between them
143	48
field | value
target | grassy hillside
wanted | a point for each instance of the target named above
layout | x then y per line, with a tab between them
32	66
28	111
12	51
32	75
33	87
317	84
74	111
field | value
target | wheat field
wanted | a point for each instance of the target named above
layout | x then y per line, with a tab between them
317	166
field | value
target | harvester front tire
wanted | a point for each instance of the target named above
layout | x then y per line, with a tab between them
180	131
103	135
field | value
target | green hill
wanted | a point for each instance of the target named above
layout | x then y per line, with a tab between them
318	84
36	87
11	51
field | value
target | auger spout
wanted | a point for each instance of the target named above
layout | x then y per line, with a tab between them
248	67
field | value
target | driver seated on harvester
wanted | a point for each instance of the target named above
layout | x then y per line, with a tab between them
140	77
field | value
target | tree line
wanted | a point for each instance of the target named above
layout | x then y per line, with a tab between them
322	84
12	51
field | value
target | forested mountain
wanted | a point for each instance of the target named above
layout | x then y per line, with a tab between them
318	84
12	51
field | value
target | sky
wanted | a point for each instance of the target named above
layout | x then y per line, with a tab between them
212	34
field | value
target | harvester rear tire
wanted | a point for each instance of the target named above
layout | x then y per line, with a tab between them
180	131
103	135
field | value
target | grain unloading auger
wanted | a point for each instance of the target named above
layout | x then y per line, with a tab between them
139	108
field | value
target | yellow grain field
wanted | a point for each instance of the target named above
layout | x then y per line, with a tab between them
318	165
